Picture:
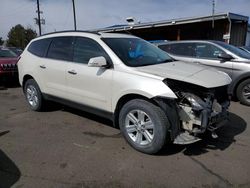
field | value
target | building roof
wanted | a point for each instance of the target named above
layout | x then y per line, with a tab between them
220	16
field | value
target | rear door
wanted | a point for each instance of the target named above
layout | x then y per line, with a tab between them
90	86
59	54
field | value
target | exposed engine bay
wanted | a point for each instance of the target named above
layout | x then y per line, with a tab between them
199	109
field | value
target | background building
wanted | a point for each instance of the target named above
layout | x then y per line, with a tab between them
248	36
228	27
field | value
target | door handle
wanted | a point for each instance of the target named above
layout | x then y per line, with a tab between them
42	66
72	72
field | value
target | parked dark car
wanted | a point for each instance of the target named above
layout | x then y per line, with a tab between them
227	58
8	65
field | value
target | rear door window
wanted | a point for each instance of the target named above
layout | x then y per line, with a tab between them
182	49
39	47
61	48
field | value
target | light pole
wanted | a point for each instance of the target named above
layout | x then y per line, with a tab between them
74	13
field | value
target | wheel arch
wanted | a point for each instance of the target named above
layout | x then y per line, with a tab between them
168	105
123	100
233	87
25	78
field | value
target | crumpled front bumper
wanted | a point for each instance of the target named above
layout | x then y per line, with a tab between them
214	117
218	120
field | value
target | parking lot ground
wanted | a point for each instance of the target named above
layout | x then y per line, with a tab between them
63	147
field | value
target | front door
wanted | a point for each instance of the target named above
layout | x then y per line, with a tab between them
89	86
207	54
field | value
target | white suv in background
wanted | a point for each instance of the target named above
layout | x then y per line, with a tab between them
145	92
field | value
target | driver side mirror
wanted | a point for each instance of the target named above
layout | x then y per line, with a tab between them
97	62
225	57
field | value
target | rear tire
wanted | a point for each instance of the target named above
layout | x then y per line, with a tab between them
33	95
144	125
243	92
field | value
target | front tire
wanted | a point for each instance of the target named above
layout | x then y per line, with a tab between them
243	92
144	125
33	95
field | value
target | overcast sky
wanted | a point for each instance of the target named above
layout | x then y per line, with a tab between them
93	14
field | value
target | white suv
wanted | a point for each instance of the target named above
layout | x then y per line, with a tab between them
150	96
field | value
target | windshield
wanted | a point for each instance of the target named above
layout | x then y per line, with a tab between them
245	48
7	53
135	52
234	50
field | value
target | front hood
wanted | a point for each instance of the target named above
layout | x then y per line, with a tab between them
191	73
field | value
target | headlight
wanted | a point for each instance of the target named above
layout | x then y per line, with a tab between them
196	102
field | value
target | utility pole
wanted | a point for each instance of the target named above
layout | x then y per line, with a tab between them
74	12
213	11
38	16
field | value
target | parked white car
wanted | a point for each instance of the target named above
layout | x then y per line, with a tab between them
151	97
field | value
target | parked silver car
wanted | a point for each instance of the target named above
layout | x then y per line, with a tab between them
227	58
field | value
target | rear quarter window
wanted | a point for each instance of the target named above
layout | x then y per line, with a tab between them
39	47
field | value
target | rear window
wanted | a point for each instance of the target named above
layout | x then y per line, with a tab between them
61	48
39	47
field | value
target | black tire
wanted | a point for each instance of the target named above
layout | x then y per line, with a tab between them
158	118
242	88
39	105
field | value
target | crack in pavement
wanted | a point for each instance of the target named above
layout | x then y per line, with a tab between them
224	180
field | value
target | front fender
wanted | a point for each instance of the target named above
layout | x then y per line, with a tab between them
144	86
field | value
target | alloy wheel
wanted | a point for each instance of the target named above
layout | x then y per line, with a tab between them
32	95
139	127
246	92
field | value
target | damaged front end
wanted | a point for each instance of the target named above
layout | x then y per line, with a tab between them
199	109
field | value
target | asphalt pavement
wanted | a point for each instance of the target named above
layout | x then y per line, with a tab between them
67	148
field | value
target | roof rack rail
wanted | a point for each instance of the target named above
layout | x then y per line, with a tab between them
67	31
